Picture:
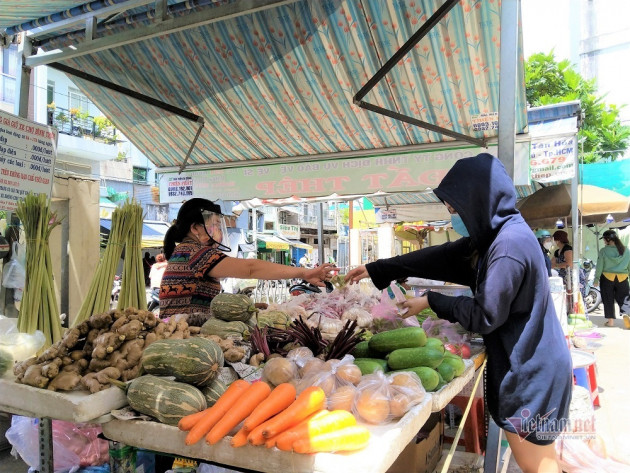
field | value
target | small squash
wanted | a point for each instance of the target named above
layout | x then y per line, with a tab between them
192	360
168	401
231	307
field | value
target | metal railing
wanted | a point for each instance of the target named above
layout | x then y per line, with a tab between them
78	124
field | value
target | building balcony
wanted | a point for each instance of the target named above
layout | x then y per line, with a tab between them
83	136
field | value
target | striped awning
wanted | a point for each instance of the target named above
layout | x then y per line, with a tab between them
280	82
271	242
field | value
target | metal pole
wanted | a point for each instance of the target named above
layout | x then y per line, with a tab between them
575	283
510	12
320	232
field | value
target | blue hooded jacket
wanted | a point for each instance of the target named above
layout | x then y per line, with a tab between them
529	371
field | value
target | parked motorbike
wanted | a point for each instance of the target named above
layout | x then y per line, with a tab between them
591	294
304	287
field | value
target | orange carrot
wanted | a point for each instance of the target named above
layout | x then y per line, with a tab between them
255	437
270	443
283	438
252	397
279	399
311	400
187	422
213	414
314	426
239	439
350	438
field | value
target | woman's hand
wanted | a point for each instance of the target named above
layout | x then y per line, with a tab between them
318	275
415	305
356	274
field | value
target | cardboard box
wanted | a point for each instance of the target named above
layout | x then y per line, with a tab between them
424	452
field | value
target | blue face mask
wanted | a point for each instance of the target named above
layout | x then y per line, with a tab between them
458	225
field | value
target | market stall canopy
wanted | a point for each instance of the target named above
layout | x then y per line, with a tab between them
553	202
272	242
153	232
277	81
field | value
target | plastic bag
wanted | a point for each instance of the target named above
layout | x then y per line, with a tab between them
381	398
20	345
331	375
14	272
75	445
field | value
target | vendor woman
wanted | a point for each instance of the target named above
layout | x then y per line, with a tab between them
194	247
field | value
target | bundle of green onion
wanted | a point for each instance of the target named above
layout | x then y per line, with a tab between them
39	309
132	289
99	294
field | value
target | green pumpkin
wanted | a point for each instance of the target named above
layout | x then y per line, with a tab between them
231	307
192	360
214	391
168	401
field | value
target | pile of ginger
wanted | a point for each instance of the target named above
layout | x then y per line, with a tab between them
105	347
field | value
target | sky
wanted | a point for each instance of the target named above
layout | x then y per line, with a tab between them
547	25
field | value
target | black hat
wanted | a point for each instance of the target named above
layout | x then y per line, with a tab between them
609	234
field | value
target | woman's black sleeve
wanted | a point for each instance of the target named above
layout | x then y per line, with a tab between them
449	262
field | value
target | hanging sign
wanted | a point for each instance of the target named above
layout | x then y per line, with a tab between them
553	159
27	159
396	172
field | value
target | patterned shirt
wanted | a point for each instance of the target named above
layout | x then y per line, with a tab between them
186	287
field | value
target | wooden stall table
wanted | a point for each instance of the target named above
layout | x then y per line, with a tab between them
386	443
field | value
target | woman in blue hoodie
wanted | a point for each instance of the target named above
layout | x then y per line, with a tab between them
529	371
613	266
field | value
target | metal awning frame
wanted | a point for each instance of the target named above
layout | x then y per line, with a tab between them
389	65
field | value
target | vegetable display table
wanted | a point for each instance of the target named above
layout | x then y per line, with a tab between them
386	443
74	406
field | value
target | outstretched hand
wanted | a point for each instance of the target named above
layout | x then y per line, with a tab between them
356	274
318	275
415	305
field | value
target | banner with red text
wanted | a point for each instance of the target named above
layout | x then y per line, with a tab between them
400	172
27	159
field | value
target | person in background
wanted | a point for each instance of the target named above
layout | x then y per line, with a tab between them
304	262
146	266
563	258
157	271
545	242
613	267
529	368
195	248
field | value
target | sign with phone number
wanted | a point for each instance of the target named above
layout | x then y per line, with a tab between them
553	159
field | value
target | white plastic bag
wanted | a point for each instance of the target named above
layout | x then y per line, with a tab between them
14	272
20	345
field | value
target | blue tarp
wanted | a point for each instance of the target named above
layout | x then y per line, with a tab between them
614	175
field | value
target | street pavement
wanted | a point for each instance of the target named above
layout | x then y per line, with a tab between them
612	417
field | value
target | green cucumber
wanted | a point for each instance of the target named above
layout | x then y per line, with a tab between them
370	365
433	342
428	376
412	357
406	337
362	350
456	363
446	370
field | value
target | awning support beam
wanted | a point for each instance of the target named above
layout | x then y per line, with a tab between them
389	65
128	92
167	26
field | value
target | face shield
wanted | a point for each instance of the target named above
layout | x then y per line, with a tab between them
217	230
